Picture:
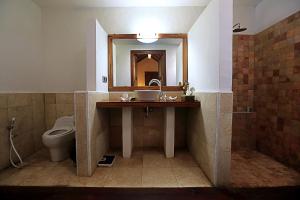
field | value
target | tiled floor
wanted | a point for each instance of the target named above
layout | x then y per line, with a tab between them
146	168
253	169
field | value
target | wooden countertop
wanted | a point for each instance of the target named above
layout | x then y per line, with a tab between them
139	104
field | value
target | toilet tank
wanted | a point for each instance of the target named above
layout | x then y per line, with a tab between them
67	121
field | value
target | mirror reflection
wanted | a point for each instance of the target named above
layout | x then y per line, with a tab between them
136	63
147	65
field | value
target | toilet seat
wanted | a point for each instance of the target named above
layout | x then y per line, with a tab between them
58	132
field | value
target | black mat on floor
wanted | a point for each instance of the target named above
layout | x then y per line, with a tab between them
76	193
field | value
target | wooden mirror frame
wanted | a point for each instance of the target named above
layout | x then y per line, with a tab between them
111	87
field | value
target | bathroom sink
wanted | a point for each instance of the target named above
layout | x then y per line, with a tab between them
147	95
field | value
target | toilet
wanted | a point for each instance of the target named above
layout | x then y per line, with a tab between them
59	139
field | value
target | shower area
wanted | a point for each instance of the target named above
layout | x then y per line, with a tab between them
266	106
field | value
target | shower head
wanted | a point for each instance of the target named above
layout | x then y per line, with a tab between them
237	28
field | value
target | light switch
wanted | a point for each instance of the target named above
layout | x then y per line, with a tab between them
104	79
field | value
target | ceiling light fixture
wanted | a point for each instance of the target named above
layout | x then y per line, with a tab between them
147	37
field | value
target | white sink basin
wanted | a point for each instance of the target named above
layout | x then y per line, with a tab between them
147	95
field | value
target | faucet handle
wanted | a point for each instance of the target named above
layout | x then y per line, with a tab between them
162	96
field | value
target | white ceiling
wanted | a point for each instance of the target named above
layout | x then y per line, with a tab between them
133	3
169	41
247	2
120	3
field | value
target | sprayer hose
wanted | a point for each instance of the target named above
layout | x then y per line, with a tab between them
12	147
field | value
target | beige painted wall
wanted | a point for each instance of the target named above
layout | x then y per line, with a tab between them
21	46
64	36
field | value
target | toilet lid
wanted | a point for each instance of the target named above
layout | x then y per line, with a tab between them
57	132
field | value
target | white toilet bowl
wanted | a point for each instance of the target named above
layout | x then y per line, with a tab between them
59	139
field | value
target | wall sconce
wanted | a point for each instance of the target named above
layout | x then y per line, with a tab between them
147	37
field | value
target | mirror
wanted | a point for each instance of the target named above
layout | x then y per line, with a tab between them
132	64
147	65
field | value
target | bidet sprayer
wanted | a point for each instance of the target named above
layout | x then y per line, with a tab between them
12	124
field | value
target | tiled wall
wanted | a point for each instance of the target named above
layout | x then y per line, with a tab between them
35	113
274	127
92	131
243	131
58	105
243	72
243	134
148	131
28	109
80	101
98	127
224	138
209	135
277	90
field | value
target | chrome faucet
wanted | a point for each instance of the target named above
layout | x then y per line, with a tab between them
155	81
159	84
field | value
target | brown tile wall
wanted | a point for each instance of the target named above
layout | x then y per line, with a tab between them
243	131
277	90
243	72
243	134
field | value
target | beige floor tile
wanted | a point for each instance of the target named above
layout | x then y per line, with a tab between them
20	176
158	177
156	160
114	152
48	176
191	177
42	159
124	177
6	173
97	180
138	152
183	159
100	176
151	151
136	161
146	168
